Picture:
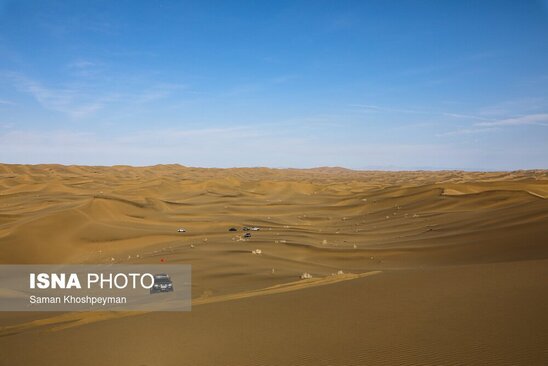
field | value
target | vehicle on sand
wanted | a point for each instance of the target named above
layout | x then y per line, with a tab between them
162	283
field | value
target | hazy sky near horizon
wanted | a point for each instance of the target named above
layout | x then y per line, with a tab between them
360	84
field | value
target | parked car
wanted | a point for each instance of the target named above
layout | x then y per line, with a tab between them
162	283
232	229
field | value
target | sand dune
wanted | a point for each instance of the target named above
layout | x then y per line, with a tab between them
465	241
75	319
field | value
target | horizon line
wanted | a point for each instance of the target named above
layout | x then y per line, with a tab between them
379	169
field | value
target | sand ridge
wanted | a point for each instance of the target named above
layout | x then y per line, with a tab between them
74	319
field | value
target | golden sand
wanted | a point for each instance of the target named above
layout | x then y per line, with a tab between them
460	262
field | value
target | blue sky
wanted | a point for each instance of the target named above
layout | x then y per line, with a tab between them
364	84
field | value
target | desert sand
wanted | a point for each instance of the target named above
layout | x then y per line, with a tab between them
429	268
